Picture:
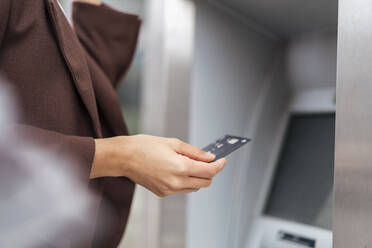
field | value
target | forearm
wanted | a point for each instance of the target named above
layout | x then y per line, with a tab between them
164	166
96	2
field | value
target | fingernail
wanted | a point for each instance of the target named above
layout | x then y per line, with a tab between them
210	155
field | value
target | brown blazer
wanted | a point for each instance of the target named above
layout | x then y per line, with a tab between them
65	80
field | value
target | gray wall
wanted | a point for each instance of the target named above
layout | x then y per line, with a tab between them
232	89
312	60
267	131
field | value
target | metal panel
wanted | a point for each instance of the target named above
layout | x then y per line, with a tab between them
353	172
165	104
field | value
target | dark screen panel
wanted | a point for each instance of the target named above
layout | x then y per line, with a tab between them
302	190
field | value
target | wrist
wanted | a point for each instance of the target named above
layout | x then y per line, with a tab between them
98	160
108	158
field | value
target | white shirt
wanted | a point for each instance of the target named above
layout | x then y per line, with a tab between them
63	10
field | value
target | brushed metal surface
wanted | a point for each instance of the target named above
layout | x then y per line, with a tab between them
353	165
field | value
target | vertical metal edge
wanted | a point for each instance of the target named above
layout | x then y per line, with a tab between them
353	150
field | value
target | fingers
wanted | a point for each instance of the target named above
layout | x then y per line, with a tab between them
196	183
202	174
181	191
220	164
183	184
190	151
204	170
187	191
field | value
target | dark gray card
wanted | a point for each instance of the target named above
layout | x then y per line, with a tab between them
226	145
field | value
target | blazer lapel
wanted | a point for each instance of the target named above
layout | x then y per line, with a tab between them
107	98
73	54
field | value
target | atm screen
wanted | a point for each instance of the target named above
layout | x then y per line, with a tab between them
302	189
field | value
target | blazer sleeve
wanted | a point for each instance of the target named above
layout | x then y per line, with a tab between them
80	149
4	17
108	35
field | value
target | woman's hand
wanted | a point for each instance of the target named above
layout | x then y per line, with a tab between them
96	2
163	166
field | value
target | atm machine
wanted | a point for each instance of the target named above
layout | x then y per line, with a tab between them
266	70
298	206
